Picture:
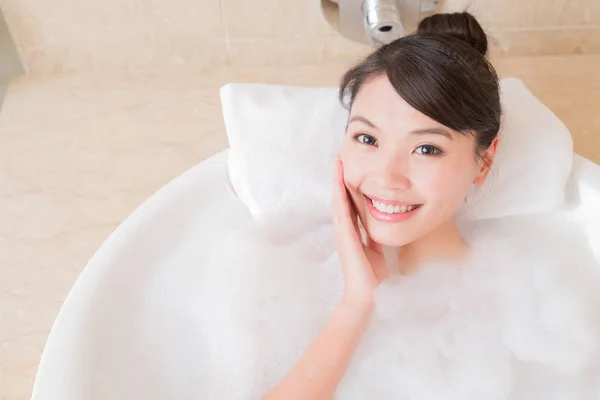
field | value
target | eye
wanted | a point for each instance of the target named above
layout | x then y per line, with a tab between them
428	150
365	139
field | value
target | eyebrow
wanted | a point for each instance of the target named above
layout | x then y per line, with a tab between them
433	131
426	131
362	119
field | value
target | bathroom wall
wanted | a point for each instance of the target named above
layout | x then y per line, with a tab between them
549	27
63	35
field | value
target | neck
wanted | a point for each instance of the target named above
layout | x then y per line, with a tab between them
443	244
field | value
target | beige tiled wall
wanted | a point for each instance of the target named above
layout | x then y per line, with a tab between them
538	27
64	35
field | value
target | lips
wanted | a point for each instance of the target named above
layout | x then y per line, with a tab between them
391	211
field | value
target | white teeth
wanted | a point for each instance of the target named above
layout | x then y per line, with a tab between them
390	209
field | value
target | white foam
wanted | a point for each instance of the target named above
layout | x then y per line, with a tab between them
519	320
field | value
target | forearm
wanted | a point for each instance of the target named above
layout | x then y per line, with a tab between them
319	372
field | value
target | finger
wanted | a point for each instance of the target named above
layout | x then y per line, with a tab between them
347	202
368	241
346	211
337	201
343	204
353	212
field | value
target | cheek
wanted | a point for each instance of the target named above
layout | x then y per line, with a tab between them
354	176
448	183
354	167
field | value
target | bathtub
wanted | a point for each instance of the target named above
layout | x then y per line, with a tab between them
125	331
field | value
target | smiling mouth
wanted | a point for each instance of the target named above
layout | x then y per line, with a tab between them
392	207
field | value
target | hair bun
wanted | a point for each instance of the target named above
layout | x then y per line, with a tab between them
463	26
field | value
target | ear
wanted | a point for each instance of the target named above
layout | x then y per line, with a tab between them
487	162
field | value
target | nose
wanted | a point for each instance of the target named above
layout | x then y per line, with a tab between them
391	173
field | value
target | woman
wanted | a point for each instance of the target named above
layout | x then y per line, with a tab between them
426	309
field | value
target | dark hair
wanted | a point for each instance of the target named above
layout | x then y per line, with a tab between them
441	71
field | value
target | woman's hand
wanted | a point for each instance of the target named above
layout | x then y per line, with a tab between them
363	265
320	370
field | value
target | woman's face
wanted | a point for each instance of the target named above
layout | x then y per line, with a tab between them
406	173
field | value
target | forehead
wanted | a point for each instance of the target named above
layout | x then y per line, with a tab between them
378	101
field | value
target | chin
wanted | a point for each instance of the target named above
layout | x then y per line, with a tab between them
390	236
